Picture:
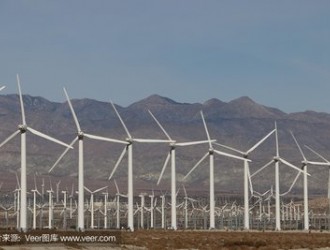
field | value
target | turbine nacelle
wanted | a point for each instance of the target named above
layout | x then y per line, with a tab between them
276	158
80	135
22	128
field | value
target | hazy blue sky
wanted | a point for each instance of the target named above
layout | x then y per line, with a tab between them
276	52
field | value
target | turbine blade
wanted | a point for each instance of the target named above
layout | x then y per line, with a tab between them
182	144
295	140
206	130
100	189
62	155
230	148
117	189
231	156
48	137
87	189
161	127
17	180
164	167
260	142
2	88
196	165
121	120
316	163
35	182
150	140
319	155
184	190
293	183
10	137
101	138
291	165
72	111
118	162
262	168
276	140
21	100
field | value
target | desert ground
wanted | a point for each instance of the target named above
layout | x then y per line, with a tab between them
184	239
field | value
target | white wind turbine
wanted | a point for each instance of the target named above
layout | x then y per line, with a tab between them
245	154
305	162
152	208
22	129
142	208
210	153
80	139
58	190
277	159
171	155
92	202
162	210
118	195
50	192
185	206
326	163
35	191
17	204
105	211
129	149
65	194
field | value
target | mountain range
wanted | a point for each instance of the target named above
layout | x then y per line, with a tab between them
239	123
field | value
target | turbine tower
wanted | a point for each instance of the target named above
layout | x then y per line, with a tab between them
22	129
210	153
80	139
246	176
171	155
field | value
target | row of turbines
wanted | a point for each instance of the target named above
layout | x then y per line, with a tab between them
108	210
23	128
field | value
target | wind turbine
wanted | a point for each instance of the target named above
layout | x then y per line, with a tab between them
22	129
245	154
185	206
305	162
142	208
277	159
65	194
210	154
92	202
118	194
80	139
327	163
105	212
50	204
171	155
129	149
58	190
35	192
17	204
152	208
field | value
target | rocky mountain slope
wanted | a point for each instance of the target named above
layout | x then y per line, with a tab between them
239	123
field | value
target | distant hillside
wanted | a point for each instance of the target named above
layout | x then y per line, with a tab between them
239	123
